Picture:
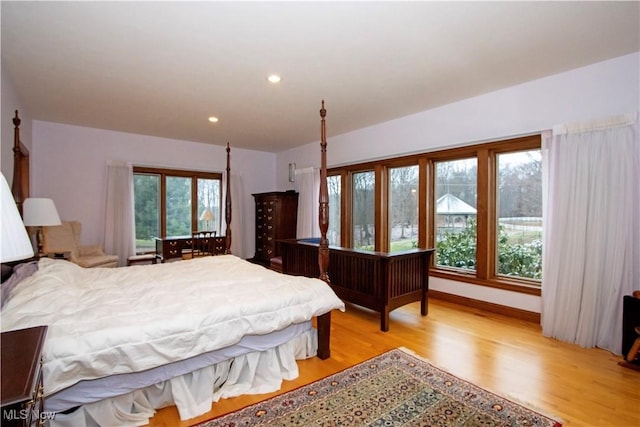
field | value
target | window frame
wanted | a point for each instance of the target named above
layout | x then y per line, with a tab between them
163	173
487	238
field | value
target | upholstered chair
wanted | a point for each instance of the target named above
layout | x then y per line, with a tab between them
66	238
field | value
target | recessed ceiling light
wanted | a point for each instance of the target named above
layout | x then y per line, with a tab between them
213	119
274	78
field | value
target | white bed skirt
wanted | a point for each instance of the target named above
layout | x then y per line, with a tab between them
195	392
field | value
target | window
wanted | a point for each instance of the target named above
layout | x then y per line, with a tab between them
519	208
173	203
147	210
363	231
333	187
479	206
456	213
208	209
178	206
403	208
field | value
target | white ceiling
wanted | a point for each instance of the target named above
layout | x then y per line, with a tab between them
162	68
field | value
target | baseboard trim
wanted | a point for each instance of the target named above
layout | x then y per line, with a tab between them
517	313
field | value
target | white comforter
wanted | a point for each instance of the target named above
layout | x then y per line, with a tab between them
105	321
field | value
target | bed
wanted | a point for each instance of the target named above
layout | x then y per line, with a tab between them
124	342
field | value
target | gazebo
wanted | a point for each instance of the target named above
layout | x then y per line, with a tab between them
452	212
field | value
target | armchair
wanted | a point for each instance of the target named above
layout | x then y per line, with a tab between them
66	238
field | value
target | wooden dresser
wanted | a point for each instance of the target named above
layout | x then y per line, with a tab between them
276	218
22	389
168	248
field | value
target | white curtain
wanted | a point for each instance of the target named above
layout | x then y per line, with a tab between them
308	187
119	233
237	213
592	229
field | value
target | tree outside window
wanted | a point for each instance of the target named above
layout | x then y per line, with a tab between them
364	210
403	208
334	183
519	207
187	195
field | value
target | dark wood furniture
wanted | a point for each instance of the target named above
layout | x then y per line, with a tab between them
276	218
203	243
172	247
22	388
20	184
142	259
380	281
630	327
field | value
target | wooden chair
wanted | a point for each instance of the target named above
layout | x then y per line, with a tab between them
202	243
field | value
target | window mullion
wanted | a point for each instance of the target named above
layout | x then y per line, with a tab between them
163	205
194	205
381	205
484	256
425	204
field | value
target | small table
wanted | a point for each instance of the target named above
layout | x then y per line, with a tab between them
22	386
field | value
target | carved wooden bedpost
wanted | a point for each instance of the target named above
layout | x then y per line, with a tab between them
227	210
16	185
323	251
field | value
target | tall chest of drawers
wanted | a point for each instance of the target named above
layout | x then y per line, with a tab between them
276	218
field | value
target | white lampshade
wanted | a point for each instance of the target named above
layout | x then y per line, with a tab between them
15	240
207	215
39	212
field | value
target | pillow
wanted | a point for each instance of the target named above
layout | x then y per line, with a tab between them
20	272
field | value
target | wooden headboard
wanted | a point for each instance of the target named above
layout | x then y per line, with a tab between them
20	185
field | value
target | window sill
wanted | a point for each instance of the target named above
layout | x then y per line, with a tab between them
505	283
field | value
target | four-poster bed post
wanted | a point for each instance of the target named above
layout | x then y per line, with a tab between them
324	321
227	204
20	184
323	215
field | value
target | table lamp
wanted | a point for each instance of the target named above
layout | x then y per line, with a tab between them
207	217
15	240
39	212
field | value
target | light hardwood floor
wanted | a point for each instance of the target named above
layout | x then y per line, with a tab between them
580	387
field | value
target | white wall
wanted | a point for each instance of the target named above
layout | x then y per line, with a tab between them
599	90
69	166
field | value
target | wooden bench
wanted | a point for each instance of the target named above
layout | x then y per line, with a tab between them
380	281
142	259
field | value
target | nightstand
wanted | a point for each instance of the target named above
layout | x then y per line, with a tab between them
22	386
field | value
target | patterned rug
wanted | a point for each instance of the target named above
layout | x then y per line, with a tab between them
393	389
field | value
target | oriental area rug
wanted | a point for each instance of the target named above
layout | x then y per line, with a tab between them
396	388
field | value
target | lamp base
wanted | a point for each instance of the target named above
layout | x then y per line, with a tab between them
39	242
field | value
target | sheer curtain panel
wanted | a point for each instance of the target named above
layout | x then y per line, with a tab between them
119	233
592	229
308	188
237	213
